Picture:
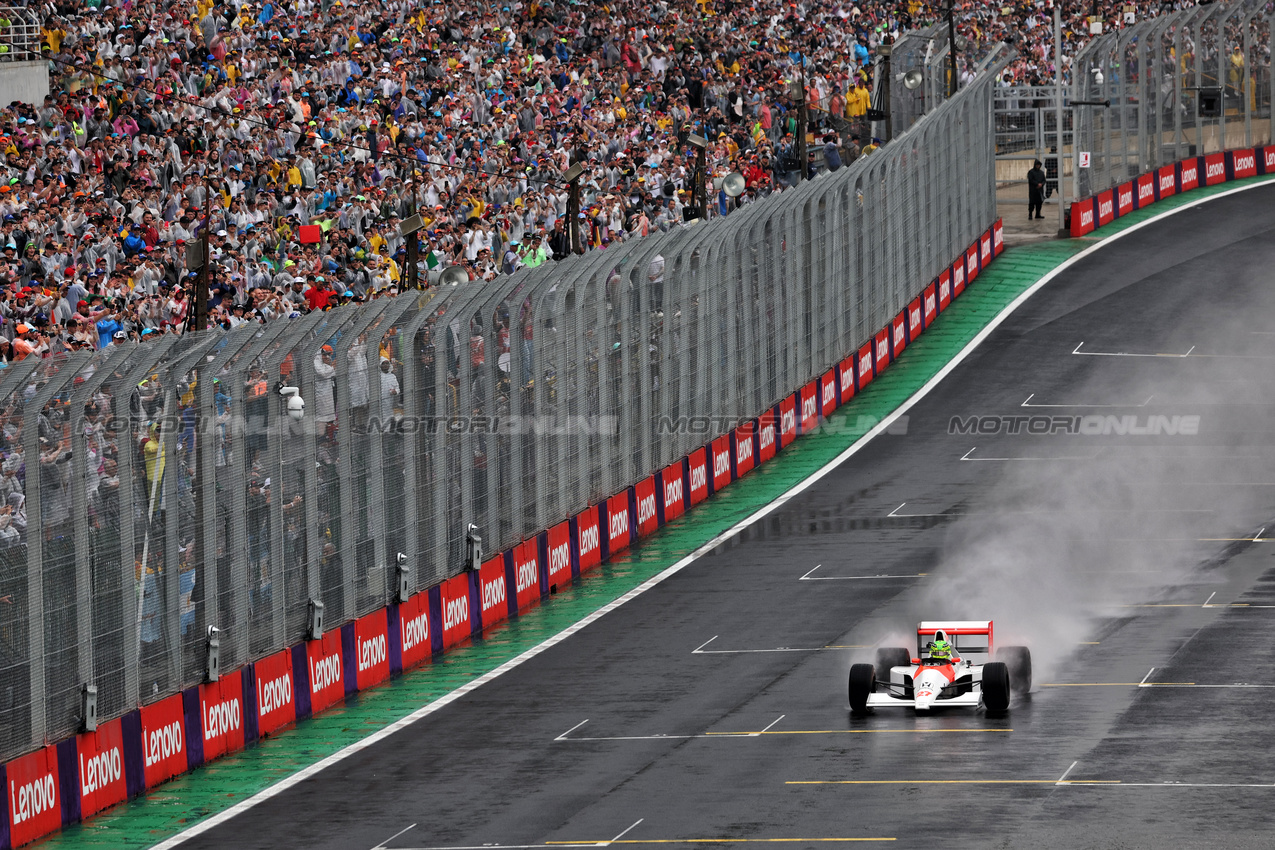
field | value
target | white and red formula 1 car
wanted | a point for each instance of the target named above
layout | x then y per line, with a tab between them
967	678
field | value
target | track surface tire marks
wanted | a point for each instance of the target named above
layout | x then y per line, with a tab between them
489	770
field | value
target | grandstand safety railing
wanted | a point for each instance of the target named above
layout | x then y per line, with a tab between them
1181	84
20	35
154	491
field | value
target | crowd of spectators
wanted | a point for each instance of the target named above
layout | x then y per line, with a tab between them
336	121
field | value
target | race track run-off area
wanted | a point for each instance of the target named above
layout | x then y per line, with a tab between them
1096	477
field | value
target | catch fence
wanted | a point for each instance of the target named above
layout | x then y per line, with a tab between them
155	491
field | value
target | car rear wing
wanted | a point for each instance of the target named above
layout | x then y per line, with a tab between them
968	636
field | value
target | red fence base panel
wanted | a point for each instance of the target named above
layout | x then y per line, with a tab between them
846	376
971	263
787	421
588	540
164	738
1082	217
916	323
945	290
100	761
457	624
828	393
881	353
618	524
1124	199
720	449
1268	159
958	278
326	669
697	475
276	695
1166	182
898	335
768	436
221	715
414	630
559	554
648	519
1189	174
32	792
1242	163
809	408
1106	208
527	573
998	237
743	447
372	649
985	249
1214	169
863	368
1146	190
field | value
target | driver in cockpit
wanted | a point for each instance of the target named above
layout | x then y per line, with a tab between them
941	650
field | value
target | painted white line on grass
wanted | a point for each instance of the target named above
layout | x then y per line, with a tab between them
424	711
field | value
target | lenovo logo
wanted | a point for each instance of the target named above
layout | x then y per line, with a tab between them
560	556
590	538
325	673
1146	191
1214	169
1086	217
274	694
455	612
915	316
525	575
743	450
221	718
787	421
699	480
1188	173
807	408
1245	162
721	465
372	653
829	393
1167	183
767	440
101	770
883	350
620	519
163	743
34	798
415	631
1104	209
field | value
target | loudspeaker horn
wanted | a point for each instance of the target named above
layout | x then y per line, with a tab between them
453	276
912	80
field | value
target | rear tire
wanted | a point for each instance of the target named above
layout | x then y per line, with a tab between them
1019	661
863	681
996	686
889	657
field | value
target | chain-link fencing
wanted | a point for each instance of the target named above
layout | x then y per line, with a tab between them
151	492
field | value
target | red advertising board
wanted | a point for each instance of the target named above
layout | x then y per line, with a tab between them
1106	208
929	304
647	518
945	290
672	491
221	716
985	249
1168	181
809	407
1189	174
898	335
276	699
1082	220
492	591
881	354
958	278
100	759
164	739
787	420
1243	164
589	538
828	393
767	434
847	379
1268	159
864	372
971	263
35	804
998	237
697	467
414	630
371	649
618	516
527	568
745	459
559	545
326	668
916	323
493	594
1146	190
721	462
1214	168
1124	199
456	614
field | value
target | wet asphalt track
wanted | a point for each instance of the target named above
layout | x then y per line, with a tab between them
1121	559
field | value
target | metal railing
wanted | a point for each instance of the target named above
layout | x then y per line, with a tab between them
20	35
156	490
1161	77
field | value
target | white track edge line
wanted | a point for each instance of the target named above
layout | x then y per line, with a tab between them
445	700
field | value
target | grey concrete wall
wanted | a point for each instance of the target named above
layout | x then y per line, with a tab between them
24	81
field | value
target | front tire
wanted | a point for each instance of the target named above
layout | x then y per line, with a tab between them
1019	661
996	686
863	681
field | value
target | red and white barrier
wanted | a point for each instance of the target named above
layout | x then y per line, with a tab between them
32	791
767	436
100	762
164	737
898	335
221	715
916	322
371	649
589	537
720	450
457	625
697	472
527	570
809	417
648	519
787	420
846	371
414	632
828	393
558	544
